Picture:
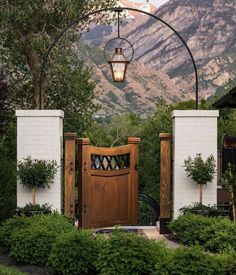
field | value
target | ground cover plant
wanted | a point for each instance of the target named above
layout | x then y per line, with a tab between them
9	271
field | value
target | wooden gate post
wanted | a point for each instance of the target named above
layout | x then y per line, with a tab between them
70	174
84	162
134	159
165	182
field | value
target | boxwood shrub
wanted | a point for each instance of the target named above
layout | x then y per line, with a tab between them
9	227
75	252
128	253
189	229
214	234
220	236
32	242
190	261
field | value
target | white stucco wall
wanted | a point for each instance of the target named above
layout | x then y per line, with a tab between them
40	135
194	131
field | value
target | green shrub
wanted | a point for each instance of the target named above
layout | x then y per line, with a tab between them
214	234
193	208
32	243
9	227
227	261
221	236
189	261
8	188
127	253
37	207
74	253
189	229
30	238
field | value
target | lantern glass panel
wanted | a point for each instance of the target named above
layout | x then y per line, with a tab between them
119	71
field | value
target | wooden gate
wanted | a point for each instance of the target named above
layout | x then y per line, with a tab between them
107	183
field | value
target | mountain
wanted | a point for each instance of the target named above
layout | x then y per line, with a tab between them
162	68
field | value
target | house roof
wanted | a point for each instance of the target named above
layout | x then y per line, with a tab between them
227	101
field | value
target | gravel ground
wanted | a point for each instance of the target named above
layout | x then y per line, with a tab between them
28	269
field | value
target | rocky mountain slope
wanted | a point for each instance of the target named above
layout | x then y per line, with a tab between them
162	68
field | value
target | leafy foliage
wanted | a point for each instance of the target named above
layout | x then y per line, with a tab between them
8	228
25	40
214	234
197	207
189	261
36	173
32	243
128	254
37	207
4	106
189	228
228	182
9	271
8	188
75	253
199	170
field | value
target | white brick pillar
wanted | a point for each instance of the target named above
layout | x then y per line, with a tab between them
194	131
40	135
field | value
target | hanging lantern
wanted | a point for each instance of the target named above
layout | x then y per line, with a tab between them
118	65
118	62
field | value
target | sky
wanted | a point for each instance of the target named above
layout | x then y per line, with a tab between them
158	3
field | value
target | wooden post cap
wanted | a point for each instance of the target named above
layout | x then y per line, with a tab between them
70	136
165	135
133	140
83	141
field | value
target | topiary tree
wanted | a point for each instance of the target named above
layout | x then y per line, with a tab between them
36	174
200	171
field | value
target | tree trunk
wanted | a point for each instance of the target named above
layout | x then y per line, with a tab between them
33	196
200	185
34	62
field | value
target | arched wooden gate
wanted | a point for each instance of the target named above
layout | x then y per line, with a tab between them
107	182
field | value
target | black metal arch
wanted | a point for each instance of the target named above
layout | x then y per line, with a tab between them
117	9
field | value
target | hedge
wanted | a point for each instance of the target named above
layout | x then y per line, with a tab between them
214	234
30	239
75	253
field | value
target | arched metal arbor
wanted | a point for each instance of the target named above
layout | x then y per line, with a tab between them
116	9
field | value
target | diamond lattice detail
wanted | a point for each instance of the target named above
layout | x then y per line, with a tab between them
108	163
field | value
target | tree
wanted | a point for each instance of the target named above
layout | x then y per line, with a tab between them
4	108
200	171
27	29
36	174
229	183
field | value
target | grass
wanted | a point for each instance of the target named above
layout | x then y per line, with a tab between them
9	271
